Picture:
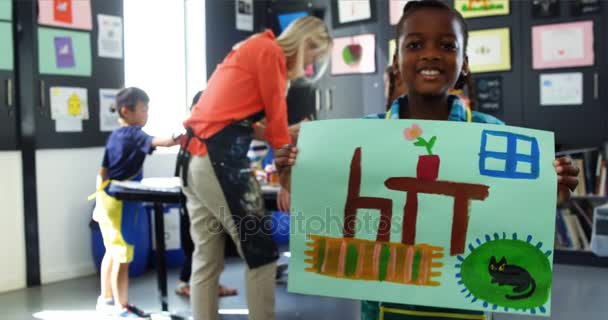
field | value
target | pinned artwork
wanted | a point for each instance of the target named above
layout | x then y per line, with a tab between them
356	54
69	103
108	116
349	12
562	45
63	52
109	41
444	224
6	10
482	8
489	50
560	89
73	14
6	46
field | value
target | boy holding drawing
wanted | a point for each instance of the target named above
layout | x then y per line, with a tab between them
431	59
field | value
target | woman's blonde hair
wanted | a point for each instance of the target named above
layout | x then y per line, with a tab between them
303	32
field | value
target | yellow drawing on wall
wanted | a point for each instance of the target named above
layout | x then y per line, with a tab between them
482	8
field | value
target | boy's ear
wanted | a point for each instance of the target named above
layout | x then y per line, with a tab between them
123	110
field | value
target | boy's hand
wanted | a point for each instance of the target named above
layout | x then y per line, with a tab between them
567	178
283	200
284	159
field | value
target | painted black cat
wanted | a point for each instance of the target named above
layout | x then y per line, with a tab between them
512	275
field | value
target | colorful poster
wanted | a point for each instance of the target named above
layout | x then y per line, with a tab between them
560	89
430	213
395	9
69	103
545	8
73	14
489	50
356	54
482	8
6	10
62	11
109	42
63	52
562	45
244	15
108	117
6	46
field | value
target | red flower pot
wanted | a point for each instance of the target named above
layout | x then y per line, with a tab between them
428	167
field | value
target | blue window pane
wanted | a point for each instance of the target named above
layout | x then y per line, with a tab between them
521	157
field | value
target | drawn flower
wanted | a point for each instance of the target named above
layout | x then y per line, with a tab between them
412	133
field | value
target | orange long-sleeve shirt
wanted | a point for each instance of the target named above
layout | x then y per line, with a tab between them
251	78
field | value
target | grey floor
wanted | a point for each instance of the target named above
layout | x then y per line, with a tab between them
579	293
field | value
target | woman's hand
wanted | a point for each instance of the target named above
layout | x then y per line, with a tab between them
284	159
283	200
567	178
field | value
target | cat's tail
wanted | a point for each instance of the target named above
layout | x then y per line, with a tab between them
525	295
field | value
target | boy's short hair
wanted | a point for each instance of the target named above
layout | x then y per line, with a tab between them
128	98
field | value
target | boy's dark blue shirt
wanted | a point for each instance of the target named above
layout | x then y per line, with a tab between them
125	153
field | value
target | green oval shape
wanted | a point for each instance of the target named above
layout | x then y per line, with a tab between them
476	276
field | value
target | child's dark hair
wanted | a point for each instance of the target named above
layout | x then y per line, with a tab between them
128	98
413	6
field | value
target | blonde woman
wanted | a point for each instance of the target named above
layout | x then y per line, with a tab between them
223	196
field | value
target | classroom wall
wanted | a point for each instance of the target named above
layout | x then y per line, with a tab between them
12	239
65	178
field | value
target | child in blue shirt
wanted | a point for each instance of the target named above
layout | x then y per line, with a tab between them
123	159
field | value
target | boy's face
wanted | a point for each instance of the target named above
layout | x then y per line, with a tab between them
431	55
137	117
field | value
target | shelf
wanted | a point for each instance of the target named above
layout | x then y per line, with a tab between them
580	258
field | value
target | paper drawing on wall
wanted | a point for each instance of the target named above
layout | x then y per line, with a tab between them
489	50
62	11
402	218
481	8
563	45
64	52
506	272
356	54
73	14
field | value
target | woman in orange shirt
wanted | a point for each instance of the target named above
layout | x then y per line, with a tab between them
223	195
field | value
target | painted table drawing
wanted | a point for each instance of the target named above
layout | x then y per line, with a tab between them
424	212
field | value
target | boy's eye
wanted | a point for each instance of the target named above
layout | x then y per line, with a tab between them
449	46
413	45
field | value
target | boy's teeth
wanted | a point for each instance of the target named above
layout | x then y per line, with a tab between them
429	72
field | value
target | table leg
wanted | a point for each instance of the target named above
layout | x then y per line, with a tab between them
161	267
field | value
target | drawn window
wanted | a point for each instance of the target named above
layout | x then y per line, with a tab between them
508	155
